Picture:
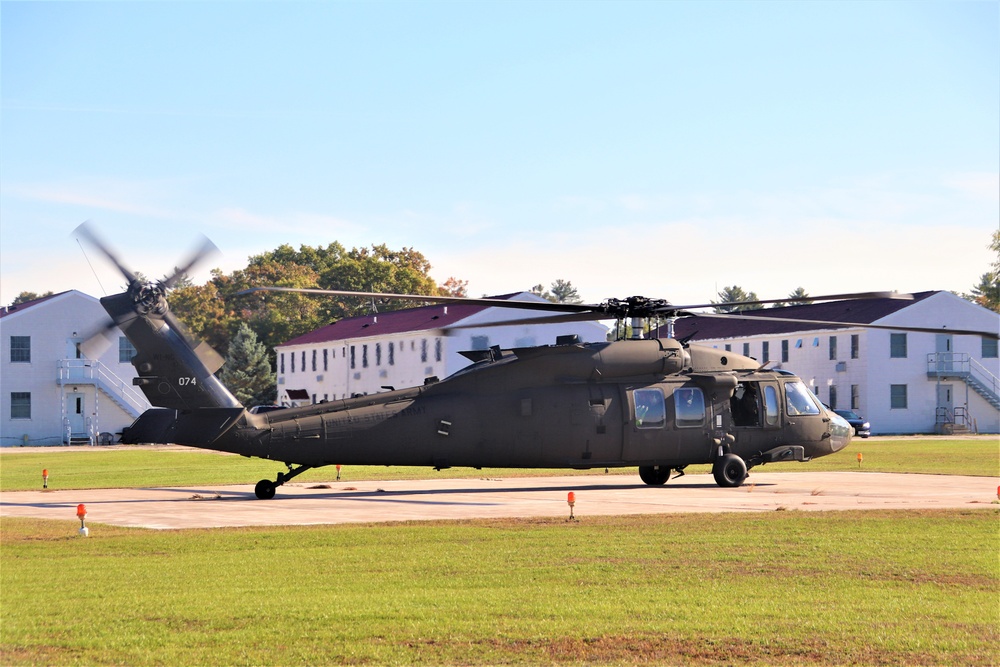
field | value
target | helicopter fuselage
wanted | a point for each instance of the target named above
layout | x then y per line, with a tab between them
654	404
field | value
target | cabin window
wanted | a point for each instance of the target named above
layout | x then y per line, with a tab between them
770	405
689	403
20	349
799	400
650	411
20	405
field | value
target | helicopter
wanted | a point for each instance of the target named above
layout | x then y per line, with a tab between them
657	404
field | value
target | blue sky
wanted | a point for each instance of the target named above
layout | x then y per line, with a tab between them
667	149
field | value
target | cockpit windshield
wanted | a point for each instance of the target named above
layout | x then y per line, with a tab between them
799	400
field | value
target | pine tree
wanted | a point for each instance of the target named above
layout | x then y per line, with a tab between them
247	372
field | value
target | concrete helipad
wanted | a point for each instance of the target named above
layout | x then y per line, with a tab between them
448	499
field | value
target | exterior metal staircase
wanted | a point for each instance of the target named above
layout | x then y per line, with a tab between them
94	373
960	366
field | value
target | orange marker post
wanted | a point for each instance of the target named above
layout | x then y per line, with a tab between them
860	459
81	512
338	472
45	478
571	501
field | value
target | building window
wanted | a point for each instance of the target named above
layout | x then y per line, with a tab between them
855	346
326	360
897	396
20	404
989	348
784	351
765	352
291	356
897	347
303	361
392	353
729	347
855	397
746	349
126	350
282	363
833	396
798	344
378	354
314	363
816	341
20	349
437	349
364	356
352	358
423	350
833	348
480	342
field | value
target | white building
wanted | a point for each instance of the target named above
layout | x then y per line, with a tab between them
404	348
50	393
901	382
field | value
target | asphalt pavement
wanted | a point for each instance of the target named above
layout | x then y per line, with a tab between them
452	499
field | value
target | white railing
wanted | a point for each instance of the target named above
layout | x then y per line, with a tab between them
88	371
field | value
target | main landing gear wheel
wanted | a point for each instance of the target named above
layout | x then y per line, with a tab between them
729	470
654	475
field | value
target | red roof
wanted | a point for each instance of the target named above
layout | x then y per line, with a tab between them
857	311
10	310
424	318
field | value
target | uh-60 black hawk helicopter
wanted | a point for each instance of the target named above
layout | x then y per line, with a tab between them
656	404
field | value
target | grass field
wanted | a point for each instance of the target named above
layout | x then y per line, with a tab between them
777	588
146	467
788	588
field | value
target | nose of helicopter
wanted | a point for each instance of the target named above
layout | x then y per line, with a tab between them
840	432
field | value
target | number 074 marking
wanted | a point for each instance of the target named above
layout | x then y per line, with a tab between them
184	381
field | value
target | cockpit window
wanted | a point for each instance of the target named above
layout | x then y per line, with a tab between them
689	404
650	411
799	400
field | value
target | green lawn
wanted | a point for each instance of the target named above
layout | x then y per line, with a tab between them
149	467
780	588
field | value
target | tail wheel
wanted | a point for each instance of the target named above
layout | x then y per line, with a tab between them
654	475
729	470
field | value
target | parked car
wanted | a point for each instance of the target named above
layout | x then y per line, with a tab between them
261	409
861	426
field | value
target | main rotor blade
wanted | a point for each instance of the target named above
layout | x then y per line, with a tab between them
861	325
429	298
543	319
85	231
802	299
205	250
